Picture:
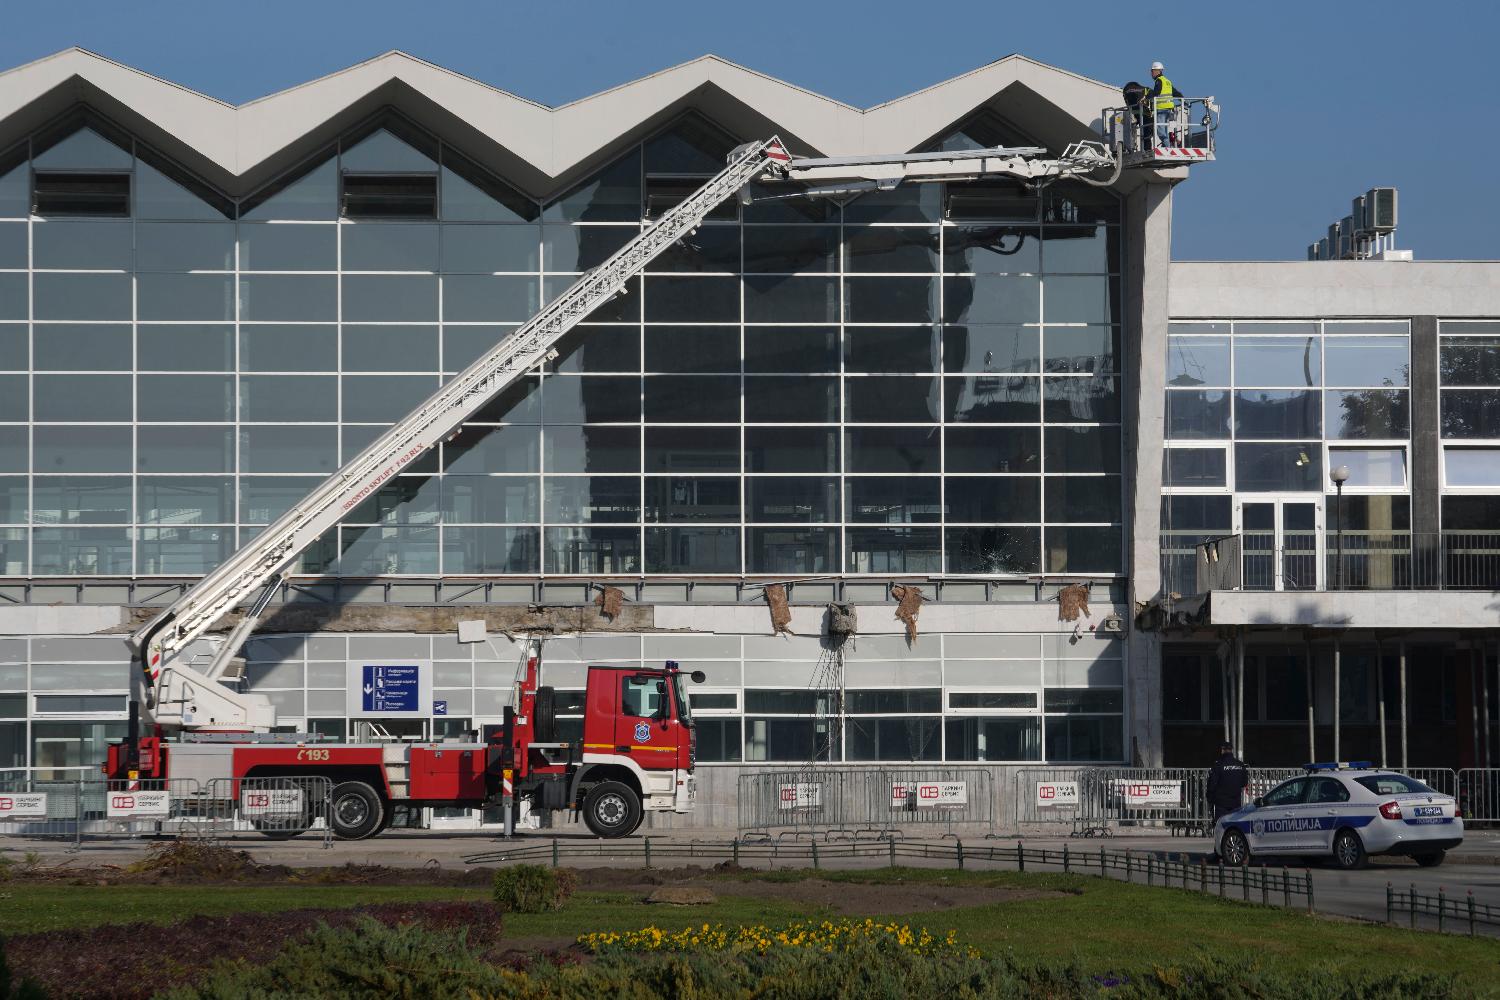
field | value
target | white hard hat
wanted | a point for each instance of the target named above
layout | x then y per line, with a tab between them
1157	65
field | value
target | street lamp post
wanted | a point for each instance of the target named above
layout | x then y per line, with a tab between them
1340	476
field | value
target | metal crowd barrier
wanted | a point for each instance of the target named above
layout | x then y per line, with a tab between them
1478	794
1095	801
99	809
853	802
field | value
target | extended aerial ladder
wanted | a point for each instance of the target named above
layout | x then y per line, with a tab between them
178	696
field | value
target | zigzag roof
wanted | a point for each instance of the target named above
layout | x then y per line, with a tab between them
540	149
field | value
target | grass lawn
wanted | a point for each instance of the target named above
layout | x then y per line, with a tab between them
40	907
1102	924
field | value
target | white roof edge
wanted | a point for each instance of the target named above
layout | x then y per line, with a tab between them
552	141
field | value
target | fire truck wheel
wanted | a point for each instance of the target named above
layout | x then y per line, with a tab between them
356	811
611	809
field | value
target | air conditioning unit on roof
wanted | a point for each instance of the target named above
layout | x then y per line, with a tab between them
1380	209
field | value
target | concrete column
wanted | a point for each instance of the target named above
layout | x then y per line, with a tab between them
1148	252
1426	455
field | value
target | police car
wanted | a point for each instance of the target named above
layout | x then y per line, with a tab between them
1346	812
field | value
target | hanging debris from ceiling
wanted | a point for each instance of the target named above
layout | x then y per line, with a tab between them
1072	601
781	614
843	623
609	600
910	600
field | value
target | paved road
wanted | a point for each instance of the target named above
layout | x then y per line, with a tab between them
1358	894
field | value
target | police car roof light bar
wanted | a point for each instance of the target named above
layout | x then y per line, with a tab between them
1339	765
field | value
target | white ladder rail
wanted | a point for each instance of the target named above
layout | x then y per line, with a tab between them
441	415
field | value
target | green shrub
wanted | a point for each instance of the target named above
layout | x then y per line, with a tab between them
26	989
533	889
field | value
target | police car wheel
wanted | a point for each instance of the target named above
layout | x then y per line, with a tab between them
611	809
1348	851
1235	849
1430	860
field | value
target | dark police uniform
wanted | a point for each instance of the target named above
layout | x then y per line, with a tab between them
1227	781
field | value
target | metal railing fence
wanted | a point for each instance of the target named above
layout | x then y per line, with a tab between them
1440	908
1368	560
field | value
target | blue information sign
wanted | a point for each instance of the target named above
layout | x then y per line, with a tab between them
439	707
391	688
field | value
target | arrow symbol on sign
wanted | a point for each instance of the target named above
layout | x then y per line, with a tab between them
368	689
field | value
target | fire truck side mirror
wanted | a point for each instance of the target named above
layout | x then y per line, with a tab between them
698	676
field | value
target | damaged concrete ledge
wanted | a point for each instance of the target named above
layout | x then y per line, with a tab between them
744	619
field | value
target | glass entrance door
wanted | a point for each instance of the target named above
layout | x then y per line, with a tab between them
1282	543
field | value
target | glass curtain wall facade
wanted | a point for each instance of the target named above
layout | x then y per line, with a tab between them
1257	414
1469	422
921	381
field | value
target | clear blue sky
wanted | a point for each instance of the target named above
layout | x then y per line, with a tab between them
1322	100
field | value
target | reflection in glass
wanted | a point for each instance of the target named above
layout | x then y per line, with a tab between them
1196	415
992	449
887	249
1276	361
1367	413
288	248
993	399
692	398
1194	361
1470	413
891	399
892	449
992	299
78	398
791	249
992	250
1284	415
189	449
773	349
69	347
991	349
1194	467
1274	468
893	349
490	549
692	449
1367	361
779	299
591	449
890	300
799	398
1472	467
1082	449
1381	468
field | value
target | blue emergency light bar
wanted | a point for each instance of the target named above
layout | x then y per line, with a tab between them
1339	765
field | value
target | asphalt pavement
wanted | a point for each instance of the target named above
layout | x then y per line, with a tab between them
1473	867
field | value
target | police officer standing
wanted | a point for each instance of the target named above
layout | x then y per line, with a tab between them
1227	781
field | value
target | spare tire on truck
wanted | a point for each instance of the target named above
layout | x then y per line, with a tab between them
544	715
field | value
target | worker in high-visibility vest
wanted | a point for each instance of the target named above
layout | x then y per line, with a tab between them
1163	98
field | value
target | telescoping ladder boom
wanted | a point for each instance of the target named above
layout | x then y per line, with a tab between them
178	696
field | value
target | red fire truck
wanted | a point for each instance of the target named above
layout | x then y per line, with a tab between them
636	756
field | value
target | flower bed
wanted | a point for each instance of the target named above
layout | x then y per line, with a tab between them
826	935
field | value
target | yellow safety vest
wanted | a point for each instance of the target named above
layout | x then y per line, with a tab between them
1164	100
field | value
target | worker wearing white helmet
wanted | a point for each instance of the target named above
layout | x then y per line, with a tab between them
1164	98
